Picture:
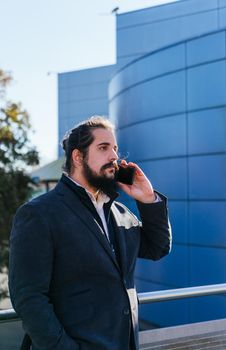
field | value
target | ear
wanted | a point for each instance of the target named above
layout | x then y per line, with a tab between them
76	157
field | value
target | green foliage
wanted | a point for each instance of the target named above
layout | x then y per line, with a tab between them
14	190
16	154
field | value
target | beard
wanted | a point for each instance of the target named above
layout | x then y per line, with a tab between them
100	182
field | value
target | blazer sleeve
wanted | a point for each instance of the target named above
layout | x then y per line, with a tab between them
156	235
30	267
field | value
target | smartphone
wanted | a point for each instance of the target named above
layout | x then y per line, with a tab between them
125	174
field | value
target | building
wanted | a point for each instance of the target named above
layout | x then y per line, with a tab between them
81	93
167	96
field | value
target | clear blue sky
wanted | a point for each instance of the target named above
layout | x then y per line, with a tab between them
54	36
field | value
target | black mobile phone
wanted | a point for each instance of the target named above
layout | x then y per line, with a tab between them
125	174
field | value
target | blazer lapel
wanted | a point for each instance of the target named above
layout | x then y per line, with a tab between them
80	210
120	232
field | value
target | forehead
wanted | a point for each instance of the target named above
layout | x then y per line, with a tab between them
104	136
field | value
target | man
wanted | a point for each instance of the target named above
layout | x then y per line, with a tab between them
74	249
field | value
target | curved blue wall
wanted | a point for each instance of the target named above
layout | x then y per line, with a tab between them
145	30
169	108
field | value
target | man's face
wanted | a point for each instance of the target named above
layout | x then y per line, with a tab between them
100	163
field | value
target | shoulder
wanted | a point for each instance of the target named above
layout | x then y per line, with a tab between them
36	205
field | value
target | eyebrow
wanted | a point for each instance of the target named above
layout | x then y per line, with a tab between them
106	144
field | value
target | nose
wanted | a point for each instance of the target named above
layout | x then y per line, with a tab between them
113	155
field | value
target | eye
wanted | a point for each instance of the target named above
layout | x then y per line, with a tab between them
103	148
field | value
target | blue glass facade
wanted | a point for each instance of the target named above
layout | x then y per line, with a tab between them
156	27
167	98
174	126
81	94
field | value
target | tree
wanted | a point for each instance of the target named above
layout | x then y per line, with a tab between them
16	154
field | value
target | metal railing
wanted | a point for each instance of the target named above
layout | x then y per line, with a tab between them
181	293
8	315
151	297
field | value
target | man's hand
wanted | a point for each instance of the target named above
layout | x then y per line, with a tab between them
141	189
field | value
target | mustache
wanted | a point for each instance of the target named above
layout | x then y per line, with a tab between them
110	165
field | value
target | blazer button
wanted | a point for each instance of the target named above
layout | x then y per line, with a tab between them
126	311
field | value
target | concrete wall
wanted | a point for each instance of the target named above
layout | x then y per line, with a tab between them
11	335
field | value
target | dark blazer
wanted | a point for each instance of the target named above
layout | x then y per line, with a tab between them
65	282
